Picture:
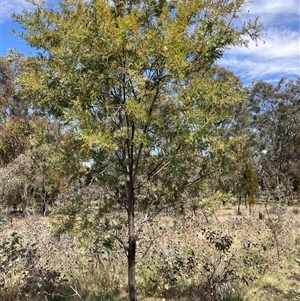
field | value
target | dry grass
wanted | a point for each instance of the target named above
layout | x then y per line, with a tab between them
91	278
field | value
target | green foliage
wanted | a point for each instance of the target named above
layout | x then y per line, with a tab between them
169	105
14	250
277	137
219	269
11	105
248	185
249	182
221	243
19	269
177	264
14	140
136	82
254	262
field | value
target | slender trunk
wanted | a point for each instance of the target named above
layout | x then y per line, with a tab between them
266	208
239	206
131	243
24	201
278	244
130	179
131	267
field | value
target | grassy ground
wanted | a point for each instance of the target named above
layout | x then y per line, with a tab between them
236	258
281	281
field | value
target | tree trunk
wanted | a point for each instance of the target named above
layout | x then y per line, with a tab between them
131	268
131	242
24	201
239	206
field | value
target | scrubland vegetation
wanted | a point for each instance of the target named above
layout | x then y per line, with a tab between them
127	156
230	257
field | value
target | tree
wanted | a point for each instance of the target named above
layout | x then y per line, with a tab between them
30	164
136	81
14	136
14	140
11	104
243	148
248	185
29	168
275	113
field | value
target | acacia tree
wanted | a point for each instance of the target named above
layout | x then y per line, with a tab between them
136	81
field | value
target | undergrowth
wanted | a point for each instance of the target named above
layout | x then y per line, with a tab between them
234	258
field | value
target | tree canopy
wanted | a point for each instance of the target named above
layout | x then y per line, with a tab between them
275	121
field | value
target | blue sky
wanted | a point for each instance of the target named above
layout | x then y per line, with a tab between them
276	56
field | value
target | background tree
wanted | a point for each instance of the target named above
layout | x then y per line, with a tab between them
31	171
14	132
27	161
11	104
242	147
136	82
248	185
275	115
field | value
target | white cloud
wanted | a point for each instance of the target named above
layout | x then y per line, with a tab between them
279	54
277	43
274	12
273	7
271	69
7	7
